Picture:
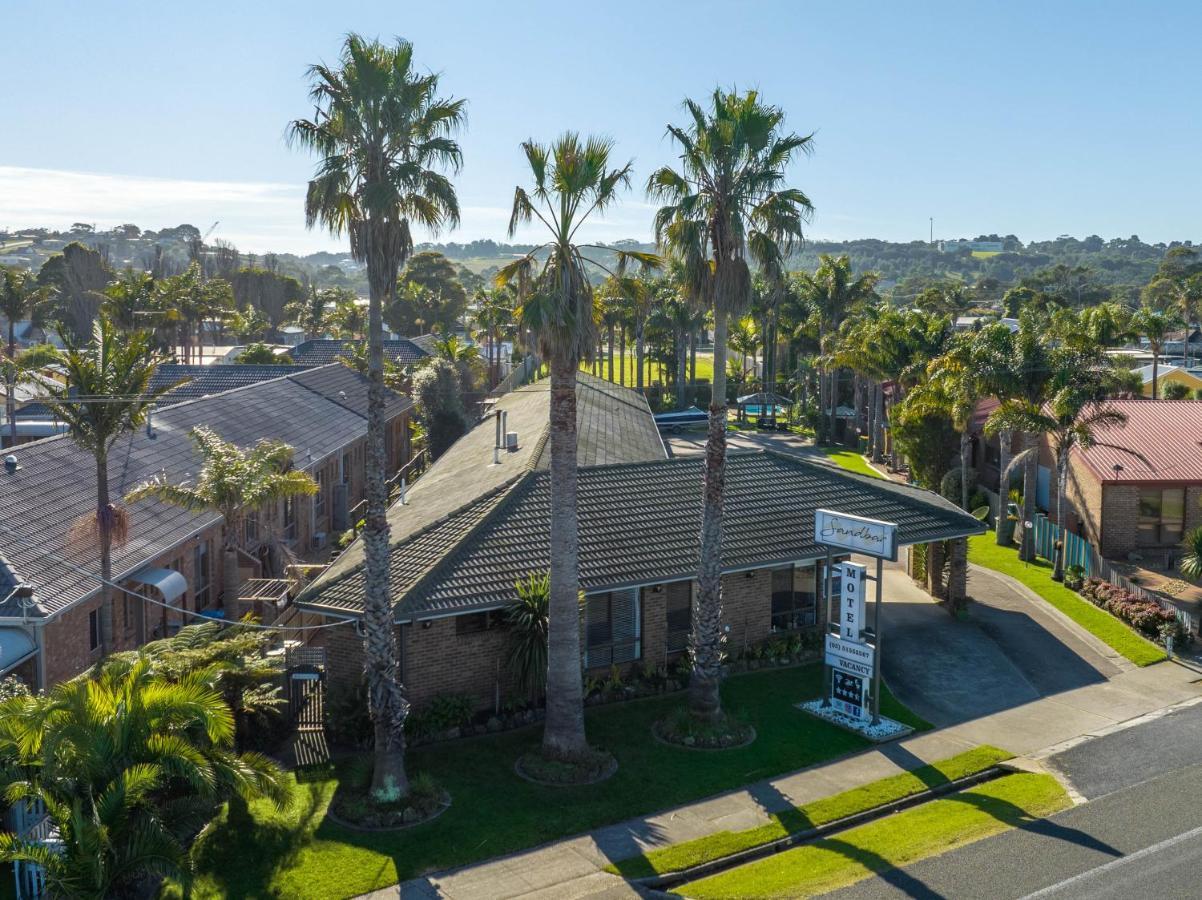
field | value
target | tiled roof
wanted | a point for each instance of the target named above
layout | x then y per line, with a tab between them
322	351
56	483
214	379
639	524
614	424
1167	433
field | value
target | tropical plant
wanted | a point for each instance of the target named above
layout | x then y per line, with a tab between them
526	619
383	133
258	354
1190	563
439	394
232	481
572	180
129	766
107	394
1155	325
21	297
726	203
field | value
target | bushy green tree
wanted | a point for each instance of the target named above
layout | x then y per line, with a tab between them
439	394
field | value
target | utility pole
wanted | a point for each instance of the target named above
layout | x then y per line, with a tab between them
932	231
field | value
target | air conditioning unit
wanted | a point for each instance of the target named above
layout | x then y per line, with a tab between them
319	540
511	441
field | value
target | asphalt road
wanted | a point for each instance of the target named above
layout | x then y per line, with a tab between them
1140	837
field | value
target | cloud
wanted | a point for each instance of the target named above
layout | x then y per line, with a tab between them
255	216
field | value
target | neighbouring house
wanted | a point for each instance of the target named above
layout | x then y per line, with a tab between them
1166	375
321	351
1126	504
173	555
478	520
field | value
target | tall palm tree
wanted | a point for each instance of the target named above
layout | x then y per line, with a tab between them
382	132
21	297
1155	325
727	202
232	482
107	394
834	291
127	765
572	179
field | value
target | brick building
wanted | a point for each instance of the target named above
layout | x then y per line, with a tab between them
170	554
478	521
1142	501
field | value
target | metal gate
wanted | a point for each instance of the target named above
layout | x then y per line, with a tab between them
306	667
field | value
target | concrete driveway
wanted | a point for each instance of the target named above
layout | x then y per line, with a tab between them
1009	650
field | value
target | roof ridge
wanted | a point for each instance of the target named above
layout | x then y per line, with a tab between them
617	395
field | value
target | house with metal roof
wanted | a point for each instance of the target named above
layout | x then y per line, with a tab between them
49	579
1144	498
322	351
479	520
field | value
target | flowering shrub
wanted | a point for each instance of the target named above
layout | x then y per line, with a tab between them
1145	616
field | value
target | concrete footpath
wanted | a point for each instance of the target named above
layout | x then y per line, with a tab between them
1044	715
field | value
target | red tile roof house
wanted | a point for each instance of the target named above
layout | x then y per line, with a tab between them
1124	505
171	555
478	521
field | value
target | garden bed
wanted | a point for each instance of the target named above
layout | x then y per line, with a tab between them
592	767
680	729
353	807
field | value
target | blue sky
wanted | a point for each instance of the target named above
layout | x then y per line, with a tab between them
1031	118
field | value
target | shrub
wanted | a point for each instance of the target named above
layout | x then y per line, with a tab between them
348	721
444	712
1145	616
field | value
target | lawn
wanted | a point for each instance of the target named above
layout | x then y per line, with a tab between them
926	830
688	854
298	854
850	460
652	372
984	551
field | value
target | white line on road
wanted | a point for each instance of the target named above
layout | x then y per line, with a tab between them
1116	863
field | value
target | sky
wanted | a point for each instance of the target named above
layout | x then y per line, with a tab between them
1035	119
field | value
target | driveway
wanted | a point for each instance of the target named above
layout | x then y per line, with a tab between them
1009	650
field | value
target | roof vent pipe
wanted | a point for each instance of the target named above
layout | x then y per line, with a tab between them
496	450
10	464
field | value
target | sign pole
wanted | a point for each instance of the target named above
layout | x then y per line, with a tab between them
826	629
876	645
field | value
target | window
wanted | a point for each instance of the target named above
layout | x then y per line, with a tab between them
476	623
201	574
346	468
290	519
94	629
613	630
1161	516
679	603
794	598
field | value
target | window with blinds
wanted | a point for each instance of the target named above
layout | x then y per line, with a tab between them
612	629
679	603
794	598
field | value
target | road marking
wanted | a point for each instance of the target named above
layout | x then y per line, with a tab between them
1114	864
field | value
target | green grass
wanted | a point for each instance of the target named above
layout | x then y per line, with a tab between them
299	854
653	372
688	854
927	830
984	551
850	460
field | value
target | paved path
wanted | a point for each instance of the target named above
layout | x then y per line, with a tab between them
984	687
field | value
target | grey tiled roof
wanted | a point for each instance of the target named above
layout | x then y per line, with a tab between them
214	379
639	524
56	482
322	351
614	424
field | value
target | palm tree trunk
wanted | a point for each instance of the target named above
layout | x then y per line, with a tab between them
10	402
1030	485
706	637
878	426
965	448
693	356
622	354
229	569
104	523
386	697
1061	486
1005	530
638	356
1155	371
834	392
611	352
681	359
563	734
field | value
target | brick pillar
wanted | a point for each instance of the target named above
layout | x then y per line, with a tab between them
957	577
935	586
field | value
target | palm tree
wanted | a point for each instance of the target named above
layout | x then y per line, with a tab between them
1075	415
744	340
21	297
725	203
1155	325
572	179
128	765
232	482
834	291
107	394
381	130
